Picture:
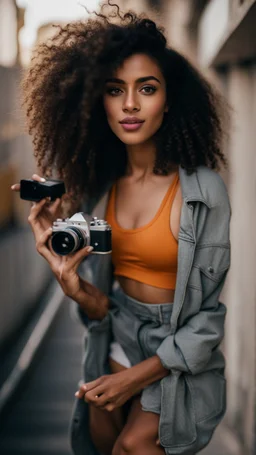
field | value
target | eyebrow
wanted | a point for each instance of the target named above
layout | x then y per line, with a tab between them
141	79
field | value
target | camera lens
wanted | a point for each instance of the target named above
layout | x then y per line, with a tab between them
68	241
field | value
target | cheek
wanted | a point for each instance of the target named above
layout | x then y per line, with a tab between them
110	108
156	108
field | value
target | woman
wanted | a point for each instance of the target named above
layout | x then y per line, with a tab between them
129	123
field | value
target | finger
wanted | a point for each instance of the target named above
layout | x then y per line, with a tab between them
35	210
82	390
46	199
54	205
49	246
80	393
91	385
38	178
15	187
41	245
75	259
96	397
109	407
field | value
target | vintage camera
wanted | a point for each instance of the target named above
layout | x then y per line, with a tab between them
31	190
81	230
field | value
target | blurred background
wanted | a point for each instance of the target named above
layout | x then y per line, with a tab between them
36	393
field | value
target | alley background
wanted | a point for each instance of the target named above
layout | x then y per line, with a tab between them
217	35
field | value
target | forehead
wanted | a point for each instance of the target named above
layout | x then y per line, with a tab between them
138	65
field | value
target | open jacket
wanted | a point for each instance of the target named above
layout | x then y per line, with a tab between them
193	399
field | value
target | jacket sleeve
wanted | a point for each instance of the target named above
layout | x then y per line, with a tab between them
97	270
190	348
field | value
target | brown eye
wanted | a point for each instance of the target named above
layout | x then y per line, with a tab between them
149	89
113	91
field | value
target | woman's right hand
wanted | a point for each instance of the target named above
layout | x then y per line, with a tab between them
41	217
49	211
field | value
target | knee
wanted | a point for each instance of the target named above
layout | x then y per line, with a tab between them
126	444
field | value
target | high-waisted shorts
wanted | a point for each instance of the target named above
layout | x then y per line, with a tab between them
138	330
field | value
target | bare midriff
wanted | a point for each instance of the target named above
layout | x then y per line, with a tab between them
144	292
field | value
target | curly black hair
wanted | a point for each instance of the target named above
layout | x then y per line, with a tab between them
63	94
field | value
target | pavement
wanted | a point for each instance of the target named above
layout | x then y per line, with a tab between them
37	419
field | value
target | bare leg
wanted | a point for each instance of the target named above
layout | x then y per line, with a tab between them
139	434
106	426
103	428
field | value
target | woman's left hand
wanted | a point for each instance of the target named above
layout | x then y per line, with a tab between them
108	392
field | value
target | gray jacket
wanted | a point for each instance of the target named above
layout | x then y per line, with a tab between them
194	394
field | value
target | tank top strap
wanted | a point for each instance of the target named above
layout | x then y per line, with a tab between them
169	197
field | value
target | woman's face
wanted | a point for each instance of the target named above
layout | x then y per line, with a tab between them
135	99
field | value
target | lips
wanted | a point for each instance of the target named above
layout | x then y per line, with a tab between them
131	120
131	123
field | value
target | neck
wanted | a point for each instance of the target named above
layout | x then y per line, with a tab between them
141	160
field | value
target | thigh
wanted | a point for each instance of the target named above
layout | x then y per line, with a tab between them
140	431
105	427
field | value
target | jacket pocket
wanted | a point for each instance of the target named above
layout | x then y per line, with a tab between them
177	427
208	394
191	408
210	267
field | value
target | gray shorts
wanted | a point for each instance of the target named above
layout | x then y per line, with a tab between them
139	328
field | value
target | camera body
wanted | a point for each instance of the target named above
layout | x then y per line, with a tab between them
72	234
32	190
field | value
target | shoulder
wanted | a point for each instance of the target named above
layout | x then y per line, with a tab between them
209	177
204	185
212	186
215	211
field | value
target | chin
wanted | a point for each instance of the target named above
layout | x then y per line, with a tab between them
133	140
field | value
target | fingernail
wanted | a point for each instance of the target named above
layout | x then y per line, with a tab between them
76	394
12	187
89	249
43	180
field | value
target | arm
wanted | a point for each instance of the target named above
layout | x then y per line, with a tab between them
91	300
190	348
96	271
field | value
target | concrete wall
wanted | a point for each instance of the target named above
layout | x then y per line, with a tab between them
226	45
240	343
8	51
23	273
174	16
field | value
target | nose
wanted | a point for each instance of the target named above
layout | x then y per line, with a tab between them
131	102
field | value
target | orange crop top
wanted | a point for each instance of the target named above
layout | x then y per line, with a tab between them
149	253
